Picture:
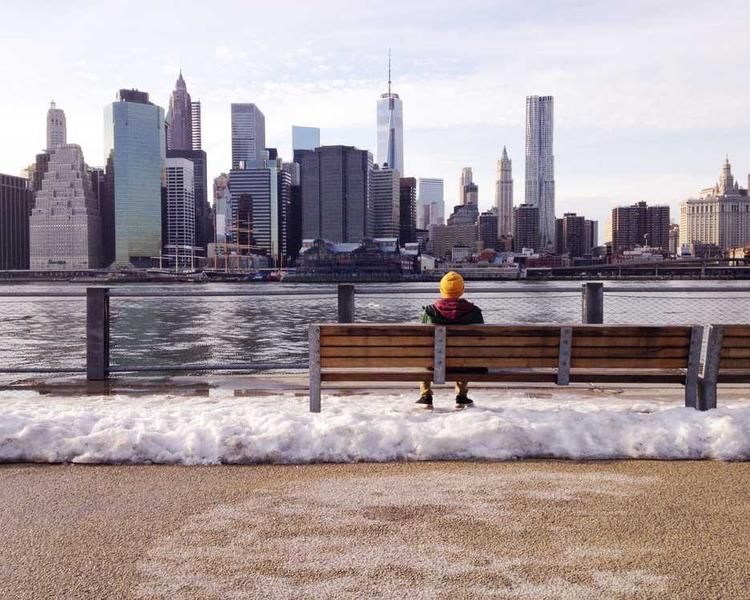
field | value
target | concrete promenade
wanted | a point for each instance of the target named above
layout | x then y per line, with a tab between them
535	529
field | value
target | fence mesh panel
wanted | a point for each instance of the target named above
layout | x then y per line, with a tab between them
677	308
42	333
206	330
496	307
183	331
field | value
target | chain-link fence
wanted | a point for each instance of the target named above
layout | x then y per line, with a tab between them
505	307
214	331
42	332
665	307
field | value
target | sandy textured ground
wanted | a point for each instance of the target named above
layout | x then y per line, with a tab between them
542	529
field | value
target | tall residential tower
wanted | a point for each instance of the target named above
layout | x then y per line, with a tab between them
540	166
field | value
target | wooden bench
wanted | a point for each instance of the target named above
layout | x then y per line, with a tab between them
727	361
557	354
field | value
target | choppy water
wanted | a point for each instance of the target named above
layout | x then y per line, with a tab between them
49	332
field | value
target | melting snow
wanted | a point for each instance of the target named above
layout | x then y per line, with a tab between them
374	427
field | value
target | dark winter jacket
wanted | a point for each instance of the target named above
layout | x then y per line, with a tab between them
452	312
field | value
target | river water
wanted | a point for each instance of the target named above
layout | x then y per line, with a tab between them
258	326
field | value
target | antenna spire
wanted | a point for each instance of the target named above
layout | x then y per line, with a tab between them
389	71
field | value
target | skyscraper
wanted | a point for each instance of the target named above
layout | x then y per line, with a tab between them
305	138
430	202
640	225
204	221
15	205
248	135
179	245
525	227
390	128
384	202
65	225
504	195
465	183
180	118
408	211
57	134
195	116
336	193
487	229
540	166
268	188
135	152
570	236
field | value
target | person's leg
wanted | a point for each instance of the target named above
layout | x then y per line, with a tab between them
425	394
462	391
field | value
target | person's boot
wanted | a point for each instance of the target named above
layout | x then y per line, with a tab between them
425	401
463	402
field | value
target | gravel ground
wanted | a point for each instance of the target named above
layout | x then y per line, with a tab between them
534	529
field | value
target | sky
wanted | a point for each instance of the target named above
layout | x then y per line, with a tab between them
650	96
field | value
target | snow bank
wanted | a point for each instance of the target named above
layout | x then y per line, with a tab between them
376	427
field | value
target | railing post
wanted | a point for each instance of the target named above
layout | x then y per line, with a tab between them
346	303
97	333
593	302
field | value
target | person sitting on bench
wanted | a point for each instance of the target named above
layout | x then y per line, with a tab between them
450	309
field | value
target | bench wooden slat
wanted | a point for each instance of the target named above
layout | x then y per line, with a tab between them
736	342
736	330
374	362
734	363
376	375
497	352
382	351
734	352
630	331
507	363
627	376
377	329
502	330
630	352
734	375
359	341
503	341
631	342
631	363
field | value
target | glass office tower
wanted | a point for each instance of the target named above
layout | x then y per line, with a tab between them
135	150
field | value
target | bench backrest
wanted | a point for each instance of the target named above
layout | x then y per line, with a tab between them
376	345
628	347
508	346
502	346
728	349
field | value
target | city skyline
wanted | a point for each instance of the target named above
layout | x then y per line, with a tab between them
654	132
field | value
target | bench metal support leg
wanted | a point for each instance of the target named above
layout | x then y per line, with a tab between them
314	344
694	365
707	388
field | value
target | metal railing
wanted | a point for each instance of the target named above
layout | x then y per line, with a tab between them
101	331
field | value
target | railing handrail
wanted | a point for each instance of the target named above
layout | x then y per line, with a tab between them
377	291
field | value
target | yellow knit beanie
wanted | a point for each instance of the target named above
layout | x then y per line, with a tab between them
452	285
